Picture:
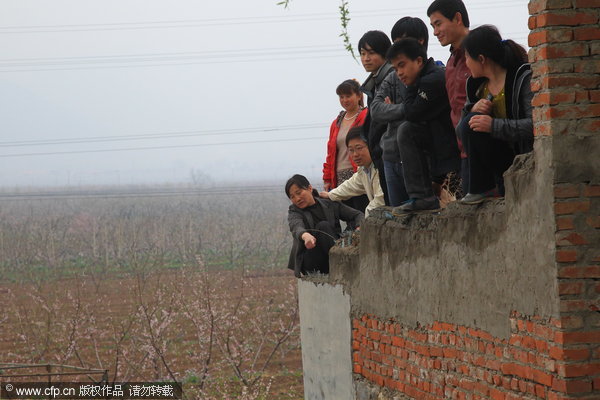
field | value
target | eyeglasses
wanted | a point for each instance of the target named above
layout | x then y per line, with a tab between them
356	149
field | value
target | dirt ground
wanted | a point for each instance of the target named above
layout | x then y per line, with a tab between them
154	326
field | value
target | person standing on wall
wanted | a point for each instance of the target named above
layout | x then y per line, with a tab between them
450	22
373	46
338	165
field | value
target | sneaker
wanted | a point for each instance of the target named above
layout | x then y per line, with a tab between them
473	198
477	198
416	205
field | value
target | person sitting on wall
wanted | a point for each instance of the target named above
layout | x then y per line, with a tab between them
365	180
387	108
426	138
497	119
315	225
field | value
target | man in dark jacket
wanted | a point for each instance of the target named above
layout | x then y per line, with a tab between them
387	108
426	138
373	47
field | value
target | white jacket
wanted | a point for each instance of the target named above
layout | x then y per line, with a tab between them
364	181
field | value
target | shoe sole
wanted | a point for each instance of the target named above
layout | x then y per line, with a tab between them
471	203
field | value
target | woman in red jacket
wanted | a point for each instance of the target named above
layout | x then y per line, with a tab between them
338	166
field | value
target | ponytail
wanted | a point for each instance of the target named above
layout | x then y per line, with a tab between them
486	41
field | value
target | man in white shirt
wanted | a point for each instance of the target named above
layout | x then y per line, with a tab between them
365	180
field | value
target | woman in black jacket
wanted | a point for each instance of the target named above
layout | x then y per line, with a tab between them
497	118
315	225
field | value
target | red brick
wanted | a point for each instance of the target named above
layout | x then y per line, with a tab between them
572	386
595	96
591	190
587	3
571	239
574	111
579	337
562	354
532	23
537	6
592	33
567	288
592	272
571	207
565	223
566	255
563	50
574	305
551	98
565	18
576	80
577	370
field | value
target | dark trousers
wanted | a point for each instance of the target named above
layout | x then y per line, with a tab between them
487	160
379	164
415	142
464	176
395	183
317	258
359	203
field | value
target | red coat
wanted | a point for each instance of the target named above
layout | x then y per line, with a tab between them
329	170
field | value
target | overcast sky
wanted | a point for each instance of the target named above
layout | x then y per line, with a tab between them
180	79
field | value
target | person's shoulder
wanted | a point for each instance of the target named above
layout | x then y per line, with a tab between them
433	73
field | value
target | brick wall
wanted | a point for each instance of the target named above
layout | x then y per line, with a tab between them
443	360
544	358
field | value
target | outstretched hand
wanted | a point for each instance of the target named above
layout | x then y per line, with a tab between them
309	240
324	195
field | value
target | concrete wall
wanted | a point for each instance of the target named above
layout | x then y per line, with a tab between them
325	332
469	265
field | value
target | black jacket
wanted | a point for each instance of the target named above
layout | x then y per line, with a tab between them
518	127
376	129
301	220
426	102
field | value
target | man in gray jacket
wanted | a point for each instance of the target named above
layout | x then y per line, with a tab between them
387	108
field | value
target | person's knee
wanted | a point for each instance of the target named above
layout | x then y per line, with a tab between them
463	127
406	132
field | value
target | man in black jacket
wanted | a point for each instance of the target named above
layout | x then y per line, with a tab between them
426	138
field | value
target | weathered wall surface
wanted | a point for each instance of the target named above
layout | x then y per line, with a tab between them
325	332
470	265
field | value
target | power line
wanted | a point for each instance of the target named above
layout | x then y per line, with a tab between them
159	147
342	53
161	135
151	57
99	194
197	23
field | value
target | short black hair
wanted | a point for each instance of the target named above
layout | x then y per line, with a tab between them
411	27
378	41
449	8
409	47
357	132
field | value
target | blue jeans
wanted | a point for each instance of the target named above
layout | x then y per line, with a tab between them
394	178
